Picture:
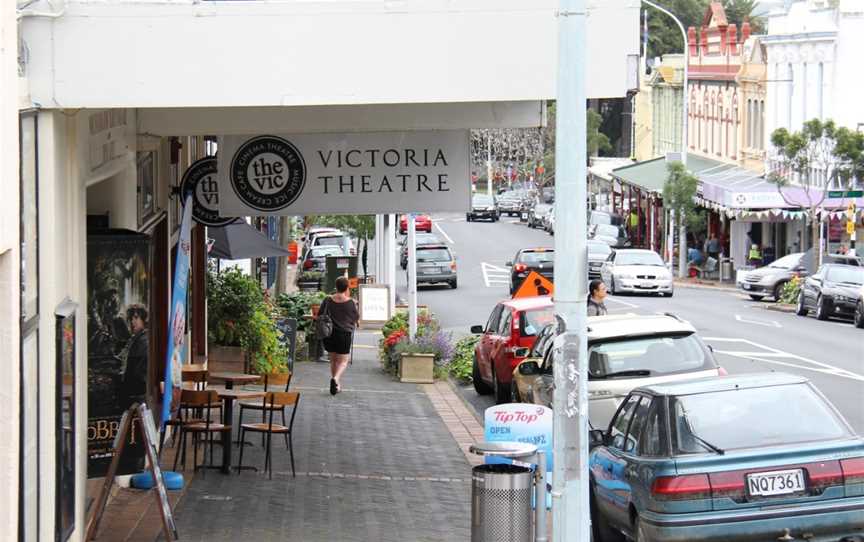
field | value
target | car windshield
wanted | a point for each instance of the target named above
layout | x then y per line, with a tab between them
846	274
334	241
534	320
753	418
482	200
321	252
786	262
598	247
538	256
600	218
606	230
655	356
637	258
433	255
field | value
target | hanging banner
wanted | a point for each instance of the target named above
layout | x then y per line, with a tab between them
177	323
199	181
352	173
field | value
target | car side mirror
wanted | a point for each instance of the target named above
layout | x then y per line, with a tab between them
529	368
509	264
521	352
476	329
596	437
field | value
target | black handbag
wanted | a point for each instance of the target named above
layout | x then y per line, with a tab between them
324	323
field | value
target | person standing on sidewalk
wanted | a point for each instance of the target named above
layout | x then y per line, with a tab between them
345	315
596	298
712	247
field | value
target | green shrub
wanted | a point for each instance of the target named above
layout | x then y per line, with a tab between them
461	366
232	299
298	304
790	291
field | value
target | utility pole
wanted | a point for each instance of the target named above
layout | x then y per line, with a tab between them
489	162
682	232
412	277
570	511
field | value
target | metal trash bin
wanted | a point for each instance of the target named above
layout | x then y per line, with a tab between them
501	503
501	494
726	270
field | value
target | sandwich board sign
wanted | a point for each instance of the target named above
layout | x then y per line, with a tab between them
534	284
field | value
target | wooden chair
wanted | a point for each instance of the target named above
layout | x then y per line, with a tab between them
257	405
198	401
196	380
271	403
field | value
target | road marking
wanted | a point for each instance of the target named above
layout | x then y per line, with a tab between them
444	233
493	274
767	354
768	323
625	303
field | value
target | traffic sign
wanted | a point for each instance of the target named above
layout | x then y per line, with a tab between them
850	227
833	194
533	285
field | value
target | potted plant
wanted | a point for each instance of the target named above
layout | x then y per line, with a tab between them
309	281
420	359
416	363
232	298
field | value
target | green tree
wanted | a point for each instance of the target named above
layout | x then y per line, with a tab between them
812	160
679	192
738	11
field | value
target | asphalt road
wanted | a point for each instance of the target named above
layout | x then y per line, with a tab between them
745	336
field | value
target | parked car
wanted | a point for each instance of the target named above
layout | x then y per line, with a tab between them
833	290
614	236
333	239
598	252
537	215
510	330
549	222
316	257
436	264
482	206
624	351
510	203
539	259
421	223
738	458
768	281
419	239
602	217
636	270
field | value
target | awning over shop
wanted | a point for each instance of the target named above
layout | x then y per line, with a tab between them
650	175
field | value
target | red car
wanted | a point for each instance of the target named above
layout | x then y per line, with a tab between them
511	330
421	223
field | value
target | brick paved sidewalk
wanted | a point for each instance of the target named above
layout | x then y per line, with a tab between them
375	462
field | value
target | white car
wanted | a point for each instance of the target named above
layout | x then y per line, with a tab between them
625	351
638	271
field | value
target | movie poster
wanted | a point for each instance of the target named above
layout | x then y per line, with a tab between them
118	290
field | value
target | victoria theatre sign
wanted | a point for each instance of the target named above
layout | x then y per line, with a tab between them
363	173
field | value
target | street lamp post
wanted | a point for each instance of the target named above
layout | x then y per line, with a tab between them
682	253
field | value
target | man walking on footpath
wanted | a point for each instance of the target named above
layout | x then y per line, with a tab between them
596	296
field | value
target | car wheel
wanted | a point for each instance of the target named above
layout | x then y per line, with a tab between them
502	392
821	309
756	297
453	284
778	290
801	309
467	218
600	529
859	315
480	387
670	293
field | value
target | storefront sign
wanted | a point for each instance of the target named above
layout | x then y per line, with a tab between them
199	181
374	303
360	173
750	200
519	422
118	348
176	351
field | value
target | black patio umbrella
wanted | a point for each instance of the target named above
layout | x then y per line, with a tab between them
240	240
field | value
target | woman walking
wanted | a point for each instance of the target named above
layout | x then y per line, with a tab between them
344	315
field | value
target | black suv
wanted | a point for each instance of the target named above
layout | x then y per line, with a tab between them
541	260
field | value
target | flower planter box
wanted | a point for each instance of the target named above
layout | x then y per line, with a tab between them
226	358
417	368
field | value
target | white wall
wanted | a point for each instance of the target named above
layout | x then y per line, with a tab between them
10	267
112	54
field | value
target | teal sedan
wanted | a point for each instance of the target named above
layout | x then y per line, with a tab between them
757	457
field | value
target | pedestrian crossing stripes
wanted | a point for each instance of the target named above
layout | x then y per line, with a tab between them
494	275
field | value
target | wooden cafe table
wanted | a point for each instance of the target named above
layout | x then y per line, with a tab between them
231	378
228	396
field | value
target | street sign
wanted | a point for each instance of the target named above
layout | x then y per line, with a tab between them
533	285
833	194
850	227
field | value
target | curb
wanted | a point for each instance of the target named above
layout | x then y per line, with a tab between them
779	307
700	286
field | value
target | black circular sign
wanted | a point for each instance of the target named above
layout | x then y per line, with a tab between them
268	173
200	181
